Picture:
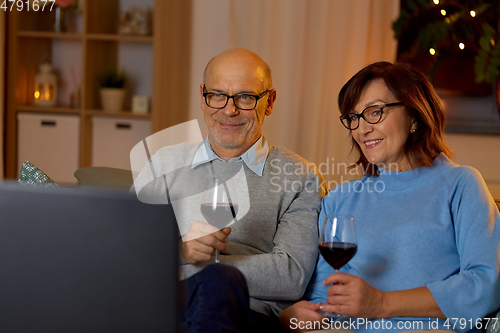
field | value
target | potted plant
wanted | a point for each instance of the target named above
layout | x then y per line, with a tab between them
113	90
62	8
439	30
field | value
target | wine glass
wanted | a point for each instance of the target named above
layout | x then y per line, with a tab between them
337	244
219	204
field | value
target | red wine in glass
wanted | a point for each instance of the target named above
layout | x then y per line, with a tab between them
338	243
220	214
337	254
219	204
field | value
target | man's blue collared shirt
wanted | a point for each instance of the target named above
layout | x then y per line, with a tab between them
255	157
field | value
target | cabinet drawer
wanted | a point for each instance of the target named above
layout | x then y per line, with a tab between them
51	142
112	140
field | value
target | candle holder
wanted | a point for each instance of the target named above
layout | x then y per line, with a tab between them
45	87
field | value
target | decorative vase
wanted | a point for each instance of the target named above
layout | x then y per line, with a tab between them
112	99
60	20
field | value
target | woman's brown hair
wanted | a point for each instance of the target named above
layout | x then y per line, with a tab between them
410	86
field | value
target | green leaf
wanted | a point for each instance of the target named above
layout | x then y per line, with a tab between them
412	5
484	43
479	77
488	30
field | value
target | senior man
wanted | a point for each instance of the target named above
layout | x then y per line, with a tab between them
274	244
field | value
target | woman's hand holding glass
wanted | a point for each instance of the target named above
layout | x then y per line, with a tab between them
337	244
351	295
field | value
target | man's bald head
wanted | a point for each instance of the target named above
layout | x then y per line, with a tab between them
236	72
241	56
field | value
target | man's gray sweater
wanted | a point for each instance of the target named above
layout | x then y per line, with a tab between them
274	238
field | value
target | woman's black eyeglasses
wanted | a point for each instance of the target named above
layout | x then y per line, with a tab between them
371	114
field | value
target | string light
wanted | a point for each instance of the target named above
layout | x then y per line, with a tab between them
461	46
448	20
436	2
472	13
443	12
432	51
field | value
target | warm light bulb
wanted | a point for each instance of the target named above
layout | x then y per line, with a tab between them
436	2
448	20
492	42
37	94
432	51
472	13
461	46
443	12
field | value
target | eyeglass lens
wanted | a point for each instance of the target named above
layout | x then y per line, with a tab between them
371	114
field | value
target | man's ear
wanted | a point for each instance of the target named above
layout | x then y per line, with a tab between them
270	101
202	99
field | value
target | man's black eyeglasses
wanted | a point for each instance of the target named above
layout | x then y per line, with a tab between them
246	102
371	114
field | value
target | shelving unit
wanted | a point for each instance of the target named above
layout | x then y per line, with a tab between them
95	46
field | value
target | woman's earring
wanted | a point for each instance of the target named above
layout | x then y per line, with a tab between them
413	130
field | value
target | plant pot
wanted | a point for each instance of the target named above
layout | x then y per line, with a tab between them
112	99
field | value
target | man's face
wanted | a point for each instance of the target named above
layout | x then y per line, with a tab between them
233	131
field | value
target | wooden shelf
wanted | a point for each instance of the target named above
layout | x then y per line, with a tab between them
100	37
117	114
94	46
120	38
38	109
48	34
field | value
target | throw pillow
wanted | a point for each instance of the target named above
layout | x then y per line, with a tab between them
31	175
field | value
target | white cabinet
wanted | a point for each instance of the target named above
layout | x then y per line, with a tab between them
50	142
114	138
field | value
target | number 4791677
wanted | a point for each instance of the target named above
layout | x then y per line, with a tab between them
468	324
36	5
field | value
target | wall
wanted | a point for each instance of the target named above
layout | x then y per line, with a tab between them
210	37
481	152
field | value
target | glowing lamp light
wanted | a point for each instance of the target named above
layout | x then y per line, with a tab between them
448	20
472	13
45	87
432	51
492	42
436	2
461	46
443	12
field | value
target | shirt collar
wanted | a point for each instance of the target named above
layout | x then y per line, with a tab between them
255	157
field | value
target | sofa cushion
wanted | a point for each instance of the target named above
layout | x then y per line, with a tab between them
118	179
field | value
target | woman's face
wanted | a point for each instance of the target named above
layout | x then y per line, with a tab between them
383	143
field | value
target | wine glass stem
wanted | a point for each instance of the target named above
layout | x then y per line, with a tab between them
217	260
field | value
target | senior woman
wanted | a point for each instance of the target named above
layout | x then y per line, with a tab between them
428	234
